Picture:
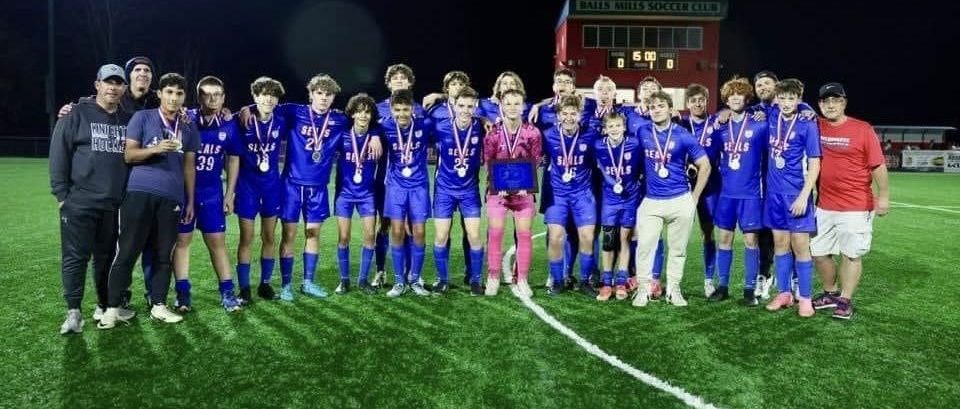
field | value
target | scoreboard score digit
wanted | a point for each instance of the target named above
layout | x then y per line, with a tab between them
642	59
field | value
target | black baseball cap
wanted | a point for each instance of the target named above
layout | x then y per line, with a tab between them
766	74
832	89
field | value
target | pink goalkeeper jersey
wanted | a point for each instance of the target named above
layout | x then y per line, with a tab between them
500	143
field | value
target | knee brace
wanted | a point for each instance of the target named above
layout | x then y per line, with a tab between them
611	238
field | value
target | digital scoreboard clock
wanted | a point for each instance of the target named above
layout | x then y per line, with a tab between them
642	59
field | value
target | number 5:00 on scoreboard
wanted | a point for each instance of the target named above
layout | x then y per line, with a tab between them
642	59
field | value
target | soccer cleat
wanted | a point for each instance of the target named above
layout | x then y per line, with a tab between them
476	289
825	299
708	288
310	289
750	298
781	301
245	297
621	292
440	287
379	279
182	302
343	287
265	291
605	293
549	283
764	284
571	283
556	289
844	309
586	288
719	294
365	286
419	290
397	290
493	286
230	302
675	297
286	293
656	290
160	313
73	323
641	298
110	318
631	284
122	313
523	287
805	308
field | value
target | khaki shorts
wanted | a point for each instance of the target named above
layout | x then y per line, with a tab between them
847	233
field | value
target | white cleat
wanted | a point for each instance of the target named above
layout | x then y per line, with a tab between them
641	298
675	297
160	313
708	288
493	286
764	285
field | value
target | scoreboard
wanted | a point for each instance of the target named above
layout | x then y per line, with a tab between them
642	59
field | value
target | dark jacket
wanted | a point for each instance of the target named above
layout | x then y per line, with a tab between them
86	156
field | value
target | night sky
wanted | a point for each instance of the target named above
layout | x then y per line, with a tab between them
893	59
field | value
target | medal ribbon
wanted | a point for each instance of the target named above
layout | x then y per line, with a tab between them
358	155
781	138
662	151
618	162
736	143
313	127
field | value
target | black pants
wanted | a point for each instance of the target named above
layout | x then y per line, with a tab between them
148	222
765	243
85	232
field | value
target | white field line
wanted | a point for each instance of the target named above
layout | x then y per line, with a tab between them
690	400
938	208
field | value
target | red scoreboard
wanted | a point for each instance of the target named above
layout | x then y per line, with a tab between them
675	41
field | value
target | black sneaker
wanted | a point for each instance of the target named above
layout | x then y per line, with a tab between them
556	289
476	289
440	287
750	298
266	292
571	283
365	286
586	288
343	288
245	297
720	294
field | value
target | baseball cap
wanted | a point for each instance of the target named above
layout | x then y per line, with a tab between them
133	62
109	71
765	74
832	89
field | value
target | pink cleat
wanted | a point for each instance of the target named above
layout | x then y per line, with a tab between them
783	300
805	308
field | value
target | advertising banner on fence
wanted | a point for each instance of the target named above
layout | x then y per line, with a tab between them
952	162
924	160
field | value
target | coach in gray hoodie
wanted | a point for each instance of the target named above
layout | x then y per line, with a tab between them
88	177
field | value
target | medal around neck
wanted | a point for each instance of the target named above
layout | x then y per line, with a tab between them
663	172
406	172
264	164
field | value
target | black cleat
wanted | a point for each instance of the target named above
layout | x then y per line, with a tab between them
556	289
266	292
586	288
750	298
245	297
365	286
440	287
476	289
571	283
720	294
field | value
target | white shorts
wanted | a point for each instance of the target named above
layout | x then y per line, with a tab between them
847	233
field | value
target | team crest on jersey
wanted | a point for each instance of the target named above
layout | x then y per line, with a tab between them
672	144
627	155
583	147
748	134
418	134
275	134
474	140
793	134
222	136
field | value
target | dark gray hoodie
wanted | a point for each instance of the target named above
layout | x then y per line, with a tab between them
86	156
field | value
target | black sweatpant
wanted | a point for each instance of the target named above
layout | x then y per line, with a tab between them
765	243
148	222
84	232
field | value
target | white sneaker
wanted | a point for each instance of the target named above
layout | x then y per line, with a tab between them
763	287
506	265
419	290
160	312
122	313
493	285
524	288
708	288
110	318
397	290
641	298
675	297
73	323
378	279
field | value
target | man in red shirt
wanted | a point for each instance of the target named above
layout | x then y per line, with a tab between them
852	161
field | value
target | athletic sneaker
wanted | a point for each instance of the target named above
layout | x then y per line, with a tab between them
675	297
265	291
229	302
641	298
476	289
605	293
571	282
523	287
826	299
556	289
286	293
311	289
656	290
245	297
182	302
365	286
621	292
763	287
781	301
419	290
379	279
343	287
805	308
586	288
750	298
844	309
160	313
122	313
440	287
73	323
493	286
110	318
721	293
397	290
708	287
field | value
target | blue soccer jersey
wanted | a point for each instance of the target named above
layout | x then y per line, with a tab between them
548	115
383	109
357	177
636	120
571	159
703	131
259	148
491	110
407	149
742	154
594	118
791	142
313	141
666	154
620	164
459	157
218	138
